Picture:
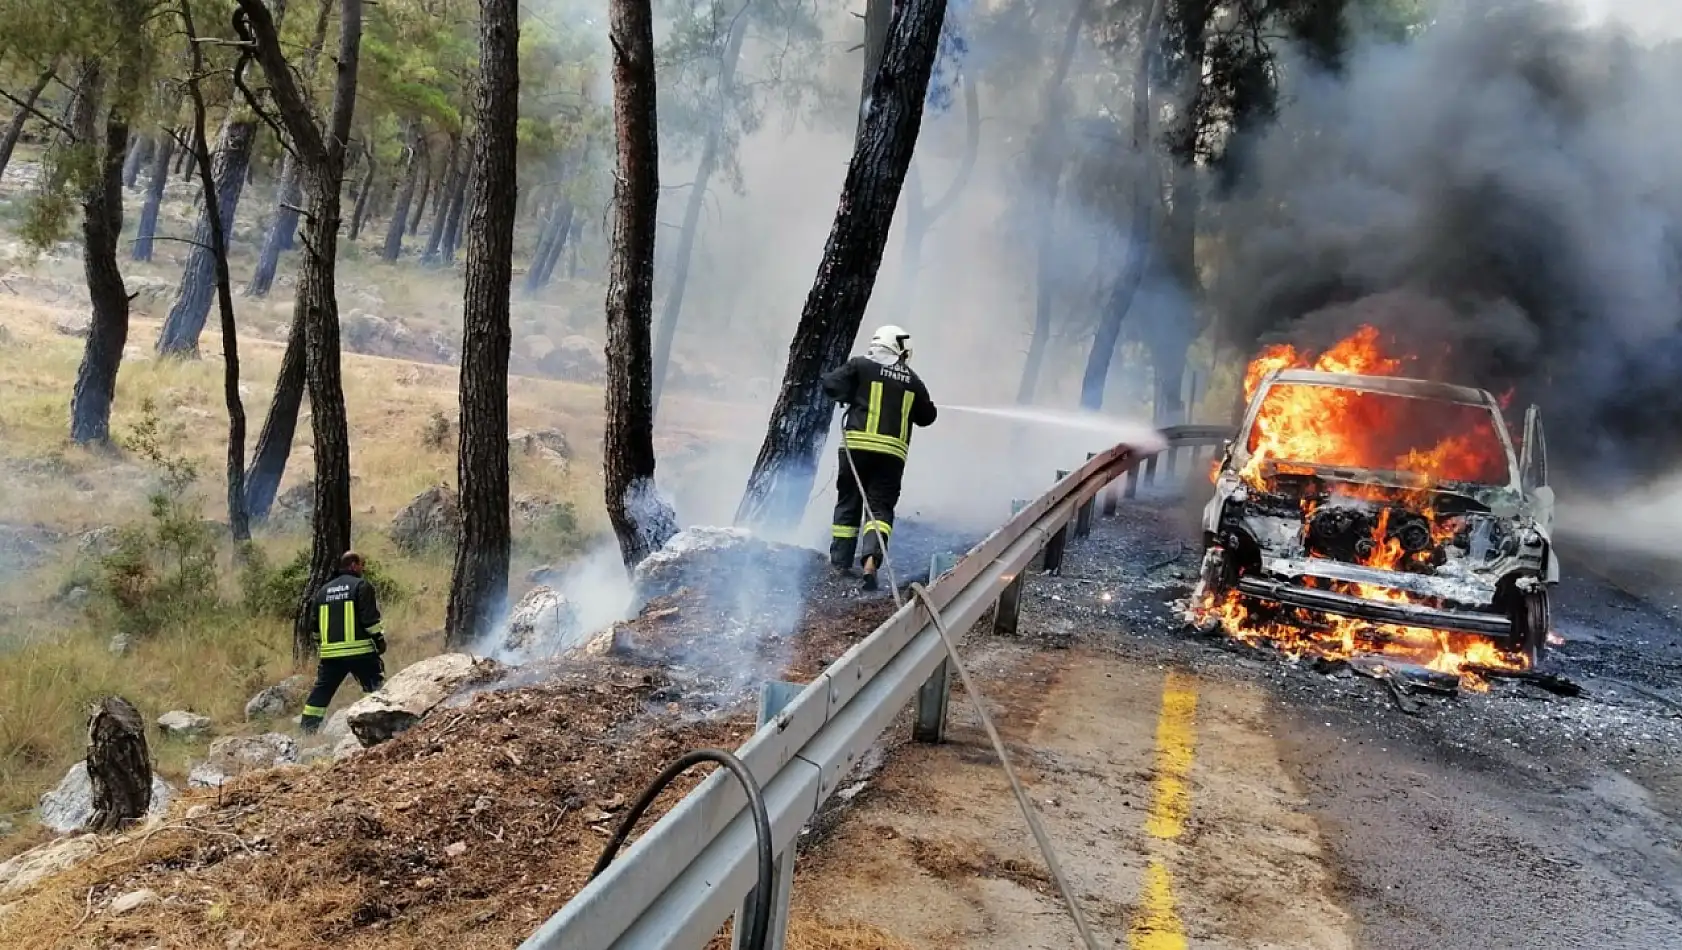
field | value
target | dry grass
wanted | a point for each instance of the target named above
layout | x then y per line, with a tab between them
57	659
807	933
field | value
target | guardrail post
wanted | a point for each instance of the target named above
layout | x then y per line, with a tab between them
1150	470
1132	490
940	562
1083	516
930	725
773	696
1171	463
1008	611
1051	559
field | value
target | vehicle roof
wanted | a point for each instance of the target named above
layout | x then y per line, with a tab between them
1394	385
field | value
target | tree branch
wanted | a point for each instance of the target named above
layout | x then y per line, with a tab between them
37	113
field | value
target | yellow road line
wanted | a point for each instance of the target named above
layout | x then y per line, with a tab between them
1175	737
1157	925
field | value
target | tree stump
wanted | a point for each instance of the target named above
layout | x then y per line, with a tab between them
119	764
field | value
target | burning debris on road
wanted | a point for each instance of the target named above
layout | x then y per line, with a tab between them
1365	512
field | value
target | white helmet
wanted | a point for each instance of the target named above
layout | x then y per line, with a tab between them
894	340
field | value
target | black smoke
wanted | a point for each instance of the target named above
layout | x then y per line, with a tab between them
1502	195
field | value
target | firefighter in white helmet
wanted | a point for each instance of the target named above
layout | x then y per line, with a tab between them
883	399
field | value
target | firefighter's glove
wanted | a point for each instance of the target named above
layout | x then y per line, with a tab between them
379	643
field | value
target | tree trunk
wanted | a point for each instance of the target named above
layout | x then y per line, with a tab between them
285	225
147	228
458	208
781	480
920	219
1046	158
279	236
232	159
139	152
102	226
572	241
1139	228
479	584
878	18
642	520
14	127
444	194
280	426
405	194
180	333
119	764
667	330
360	213
419	207
563	228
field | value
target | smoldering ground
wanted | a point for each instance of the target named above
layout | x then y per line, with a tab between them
1510	179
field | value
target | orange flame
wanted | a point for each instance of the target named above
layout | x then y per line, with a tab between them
1427	442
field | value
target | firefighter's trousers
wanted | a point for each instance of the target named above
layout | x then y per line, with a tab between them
368	669
881	474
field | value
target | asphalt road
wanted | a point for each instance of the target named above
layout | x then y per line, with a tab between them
1513	818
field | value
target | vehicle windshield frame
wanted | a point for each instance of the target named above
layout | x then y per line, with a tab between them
1383	386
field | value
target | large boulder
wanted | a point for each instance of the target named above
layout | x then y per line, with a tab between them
296	505
724	561
413	693
69	805
278	700
37	864
542	622
232	756
432	519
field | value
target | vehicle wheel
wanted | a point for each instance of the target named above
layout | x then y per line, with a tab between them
1531	617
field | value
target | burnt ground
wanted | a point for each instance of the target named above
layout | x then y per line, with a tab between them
1508	818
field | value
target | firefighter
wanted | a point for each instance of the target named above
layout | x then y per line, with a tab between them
883	399
346	618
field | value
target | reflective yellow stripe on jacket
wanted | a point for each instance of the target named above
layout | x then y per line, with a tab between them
347	639
871	439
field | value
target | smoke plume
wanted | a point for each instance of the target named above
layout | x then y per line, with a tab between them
1500	195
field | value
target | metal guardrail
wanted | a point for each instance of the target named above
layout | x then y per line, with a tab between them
678	883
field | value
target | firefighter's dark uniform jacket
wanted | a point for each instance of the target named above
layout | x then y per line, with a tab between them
350	636
883	403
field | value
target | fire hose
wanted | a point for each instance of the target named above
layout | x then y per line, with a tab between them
979	701
759	926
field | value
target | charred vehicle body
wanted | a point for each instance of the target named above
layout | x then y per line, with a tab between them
1377	500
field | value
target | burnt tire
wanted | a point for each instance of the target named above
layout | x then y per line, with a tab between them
1531	618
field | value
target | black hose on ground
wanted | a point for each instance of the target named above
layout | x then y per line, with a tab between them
760	925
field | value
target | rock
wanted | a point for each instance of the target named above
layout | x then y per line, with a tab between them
147	292
179	722
69	805
724	560
35	865
295	505
432	519
548	443
76	598
231	756
6	338
121	644
72	327
99	542
337	725
412	693
541	622
348	746
543	574
614	641
133	900
364	332
576	358
279	699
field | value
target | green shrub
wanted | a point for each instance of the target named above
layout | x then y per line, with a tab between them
163	570
276	591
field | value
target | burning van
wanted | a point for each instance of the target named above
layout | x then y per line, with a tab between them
1360	512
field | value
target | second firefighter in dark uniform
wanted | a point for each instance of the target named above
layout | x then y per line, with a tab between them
345	616
883	399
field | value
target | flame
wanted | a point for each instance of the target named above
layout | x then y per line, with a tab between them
1426	443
